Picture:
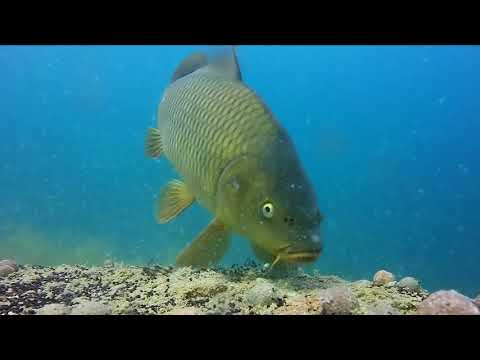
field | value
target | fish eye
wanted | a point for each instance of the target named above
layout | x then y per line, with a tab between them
267	210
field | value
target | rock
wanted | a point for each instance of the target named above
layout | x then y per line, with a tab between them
117	288
29	293
54	309
383	277
186	311
409	284
262	293
7	267
108	263
447	302
391	284
300	305
338	300
381	308
68	293
477	301
362	283
91	308
10	263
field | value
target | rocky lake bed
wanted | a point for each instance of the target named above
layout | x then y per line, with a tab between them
117	289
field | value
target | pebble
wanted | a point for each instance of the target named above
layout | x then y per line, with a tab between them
338	300
116	289
391	284
91	308
7	267
381	308
477	301
186	311
383	277
108	263
409	283
54	309
362	283
262	293
300	305
447	302
10	263
67	292
30	292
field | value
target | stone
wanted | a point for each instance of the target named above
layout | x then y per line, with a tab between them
447	302
362	283
7	267
477	301
91	308
54	309
10	263
108	263
409	284
381	308
262	293
338	300
117	288
185	311
300	305
382	278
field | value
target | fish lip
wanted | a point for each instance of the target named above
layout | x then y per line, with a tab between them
288	253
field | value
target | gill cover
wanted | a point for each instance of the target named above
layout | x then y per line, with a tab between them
235	182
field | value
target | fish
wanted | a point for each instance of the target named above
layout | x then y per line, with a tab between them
236	160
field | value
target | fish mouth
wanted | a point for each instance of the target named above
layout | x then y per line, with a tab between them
300	256
290	254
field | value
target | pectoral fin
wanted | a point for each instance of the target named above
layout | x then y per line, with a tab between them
153	143
208	248
174	199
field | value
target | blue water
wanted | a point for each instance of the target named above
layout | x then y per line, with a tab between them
388	134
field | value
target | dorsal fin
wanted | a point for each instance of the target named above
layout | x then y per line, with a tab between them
226	64
190	64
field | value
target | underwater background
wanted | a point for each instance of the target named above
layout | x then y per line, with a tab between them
389	136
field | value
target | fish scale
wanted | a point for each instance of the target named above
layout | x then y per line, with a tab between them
204	124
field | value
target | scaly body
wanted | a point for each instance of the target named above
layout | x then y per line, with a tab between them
237	161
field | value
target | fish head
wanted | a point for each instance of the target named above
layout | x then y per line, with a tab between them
274	207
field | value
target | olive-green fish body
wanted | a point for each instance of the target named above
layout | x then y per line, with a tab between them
237	161
205	122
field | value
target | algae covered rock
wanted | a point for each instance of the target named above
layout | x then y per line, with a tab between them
91	308
338	300
7	267
54	309
409	284
300	305
447	302
185	311
476	301
382	278
362	283
262	293
381	308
